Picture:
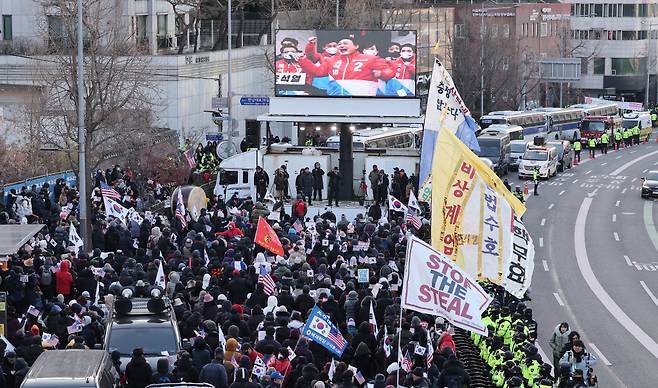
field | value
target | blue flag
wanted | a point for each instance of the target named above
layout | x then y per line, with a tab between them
319	328
445	111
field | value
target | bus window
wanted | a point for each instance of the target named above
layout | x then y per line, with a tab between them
245	177
227	177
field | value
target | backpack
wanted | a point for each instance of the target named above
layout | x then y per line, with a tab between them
455	381
46	277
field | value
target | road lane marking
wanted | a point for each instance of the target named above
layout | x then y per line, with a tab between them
587	173
648	291
598	352
655	164
627	213
541	242
648	223
633	180
597	289
618	157
617	203
551	206
632	162
559	300
575	180
645	171
614	218
545	264
616	236
562	192
628	261
543	222
623	191
603	164
544	357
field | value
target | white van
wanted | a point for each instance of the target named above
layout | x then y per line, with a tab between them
543	157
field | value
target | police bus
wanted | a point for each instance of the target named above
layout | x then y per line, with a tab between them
383	137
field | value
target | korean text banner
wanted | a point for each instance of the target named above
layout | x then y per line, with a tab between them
345	63
445	110
434	285
319	328
476	220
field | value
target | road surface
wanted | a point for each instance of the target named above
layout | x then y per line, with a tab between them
596	263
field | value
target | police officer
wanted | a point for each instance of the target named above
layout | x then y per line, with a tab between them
519	194
577	146
591	144
535	179
605	139
636	134
618	137
626	135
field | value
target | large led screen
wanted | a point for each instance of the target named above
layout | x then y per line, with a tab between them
345	63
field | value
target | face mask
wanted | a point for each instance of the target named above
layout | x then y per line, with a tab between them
406	55
287	56
331	50
370	52
394	54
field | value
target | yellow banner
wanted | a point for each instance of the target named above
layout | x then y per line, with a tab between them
472	211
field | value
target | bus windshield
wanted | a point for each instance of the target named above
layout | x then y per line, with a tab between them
485	122
592	126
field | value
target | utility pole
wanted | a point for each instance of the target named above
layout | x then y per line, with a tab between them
82	155
229	123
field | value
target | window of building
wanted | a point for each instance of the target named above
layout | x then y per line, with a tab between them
598	10
55	28
642	10
506	30
459	31
641	35
629	35
598	66
140	26
162	25
544	29
629	10
613	10
583	65
7	32
494	30
524	29
628	66
614	35
534	30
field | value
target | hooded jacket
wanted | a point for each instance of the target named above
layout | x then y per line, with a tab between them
559	340
138	373
64	279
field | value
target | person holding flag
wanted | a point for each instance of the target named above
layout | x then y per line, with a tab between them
180	210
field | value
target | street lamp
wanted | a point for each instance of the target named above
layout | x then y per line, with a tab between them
82	156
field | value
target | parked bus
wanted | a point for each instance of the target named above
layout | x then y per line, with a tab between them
384	137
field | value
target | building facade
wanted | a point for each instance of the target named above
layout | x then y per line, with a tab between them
615	42
184	84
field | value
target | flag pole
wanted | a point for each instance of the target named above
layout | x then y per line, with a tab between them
397	383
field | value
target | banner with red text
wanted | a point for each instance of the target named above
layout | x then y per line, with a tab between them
434	284
476	220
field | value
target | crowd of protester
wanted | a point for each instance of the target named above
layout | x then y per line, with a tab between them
49	286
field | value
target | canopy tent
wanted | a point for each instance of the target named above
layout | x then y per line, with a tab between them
14	236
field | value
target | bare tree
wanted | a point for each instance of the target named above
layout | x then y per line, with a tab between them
187	13
120	96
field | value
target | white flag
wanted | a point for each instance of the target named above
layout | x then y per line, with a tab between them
114	209
221	339
394	204
74	239
435	285
387	343
98	292
160	277
332	370
413	203
205	256
269	197
373	321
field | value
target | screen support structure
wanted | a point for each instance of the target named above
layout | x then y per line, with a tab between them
346	163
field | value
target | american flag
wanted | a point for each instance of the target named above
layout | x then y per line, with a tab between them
414	219
407	363
189	156
267	281
335	337
298	225
430	350
180	209
109	192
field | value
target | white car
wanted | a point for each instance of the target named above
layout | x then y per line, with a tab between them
545	158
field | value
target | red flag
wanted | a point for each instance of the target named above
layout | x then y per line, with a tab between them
266	238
